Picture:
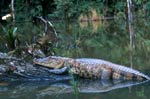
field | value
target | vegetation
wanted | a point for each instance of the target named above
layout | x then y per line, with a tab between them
82	25
11	37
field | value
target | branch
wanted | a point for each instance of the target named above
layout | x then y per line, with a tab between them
13	11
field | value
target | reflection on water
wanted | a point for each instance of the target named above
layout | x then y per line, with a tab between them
94	25
88	89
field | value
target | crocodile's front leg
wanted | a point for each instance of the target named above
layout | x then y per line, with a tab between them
58	71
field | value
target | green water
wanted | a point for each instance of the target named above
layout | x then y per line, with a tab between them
45	90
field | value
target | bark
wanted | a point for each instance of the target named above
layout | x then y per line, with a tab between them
130	26
13	11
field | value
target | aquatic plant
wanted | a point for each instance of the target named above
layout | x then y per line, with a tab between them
73	82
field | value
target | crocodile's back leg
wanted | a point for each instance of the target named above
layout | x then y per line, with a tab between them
106	73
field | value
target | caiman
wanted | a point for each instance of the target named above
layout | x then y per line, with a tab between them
92	68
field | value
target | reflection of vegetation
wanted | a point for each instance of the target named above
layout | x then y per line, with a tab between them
73	83
141	94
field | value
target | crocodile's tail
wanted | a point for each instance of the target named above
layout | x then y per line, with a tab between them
128	73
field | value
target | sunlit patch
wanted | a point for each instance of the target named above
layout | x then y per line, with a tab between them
6	16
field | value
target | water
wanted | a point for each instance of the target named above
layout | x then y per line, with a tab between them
46	90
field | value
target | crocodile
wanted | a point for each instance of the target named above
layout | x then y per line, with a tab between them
91	68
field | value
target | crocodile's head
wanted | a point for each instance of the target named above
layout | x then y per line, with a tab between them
51	61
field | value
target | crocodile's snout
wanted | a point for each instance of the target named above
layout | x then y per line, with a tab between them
49	62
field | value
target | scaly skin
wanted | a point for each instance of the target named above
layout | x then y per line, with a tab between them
92	68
